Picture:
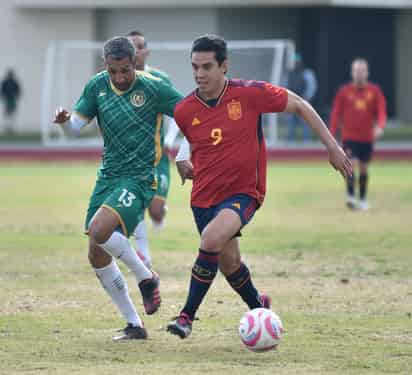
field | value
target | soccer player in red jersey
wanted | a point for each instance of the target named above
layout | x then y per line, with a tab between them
361	108
221	121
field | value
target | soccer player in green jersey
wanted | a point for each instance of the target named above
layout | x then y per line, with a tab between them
157	209
126	104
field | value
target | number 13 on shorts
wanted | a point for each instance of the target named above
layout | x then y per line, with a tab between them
216	135
126	198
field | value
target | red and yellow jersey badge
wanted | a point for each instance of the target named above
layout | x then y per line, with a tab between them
234	110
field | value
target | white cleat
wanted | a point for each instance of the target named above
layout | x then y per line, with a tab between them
363	205
351	202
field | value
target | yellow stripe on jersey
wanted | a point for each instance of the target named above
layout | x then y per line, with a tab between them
158	146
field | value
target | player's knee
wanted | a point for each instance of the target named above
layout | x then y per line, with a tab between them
229	263
157	214
97	233
98	258
157	210
209	242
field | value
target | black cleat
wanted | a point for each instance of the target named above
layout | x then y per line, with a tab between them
181	326
132	333
151	294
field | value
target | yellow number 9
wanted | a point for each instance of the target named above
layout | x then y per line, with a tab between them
216	135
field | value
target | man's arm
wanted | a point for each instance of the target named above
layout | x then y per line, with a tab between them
70	123
168	98
172	131
337	157
183	163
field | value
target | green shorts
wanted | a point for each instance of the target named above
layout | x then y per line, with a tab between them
163	177
126	197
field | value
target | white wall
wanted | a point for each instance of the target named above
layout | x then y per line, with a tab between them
24	37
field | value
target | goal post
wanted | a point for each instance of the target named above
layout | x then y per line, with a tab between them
70	64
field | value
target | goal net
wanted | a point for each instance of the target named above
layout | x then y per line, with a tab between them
70	64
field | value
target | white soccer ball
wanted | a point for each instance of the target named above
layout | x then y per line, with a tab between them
260	330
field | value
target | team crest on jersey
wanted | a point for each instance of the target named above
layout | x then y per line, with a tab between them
234	110
360	105
138	98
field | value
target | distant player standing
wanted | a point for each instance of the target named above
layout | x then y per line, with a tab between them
157	208
126	104
221	121
360	107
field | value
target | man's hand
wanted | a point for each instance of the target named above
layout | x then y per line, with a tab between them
61	116
377	133
340	161
185	170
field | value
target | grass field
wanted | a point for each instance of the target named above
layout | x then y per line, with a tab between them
340	280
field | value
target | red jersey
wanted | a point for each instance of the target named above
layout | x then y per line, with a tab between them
358	108
227	144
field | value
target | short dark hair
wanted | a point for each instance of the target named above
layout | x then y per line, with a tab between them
118	48
211	43
135	33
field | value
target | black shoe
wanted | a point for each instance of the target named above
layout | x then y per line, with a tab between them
151	294
132	332
181	326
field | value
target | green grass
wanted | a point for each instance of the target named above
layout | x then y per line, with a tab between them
341	281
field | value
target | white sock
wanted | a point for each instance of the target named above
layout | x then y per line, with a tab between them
119	247
115	285
142	243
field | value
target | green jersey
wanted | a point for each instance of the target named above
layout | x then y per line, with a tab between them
130	122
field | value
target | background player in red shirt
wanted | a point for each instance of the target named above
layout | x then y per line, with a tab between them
221	121
361	108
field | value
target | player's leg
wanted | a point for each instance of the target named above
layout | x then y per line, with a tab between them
158	207
157	212
214	236
123	205
142	243
110	276
351	151
238	276
365	158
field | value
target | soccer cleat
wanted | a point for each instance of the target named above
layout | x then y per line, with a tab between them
265	301
363	205
351	202
151	294
181	326
132	332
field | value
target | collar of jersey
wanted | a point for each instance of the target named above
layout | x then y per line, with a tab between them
120	92
219	99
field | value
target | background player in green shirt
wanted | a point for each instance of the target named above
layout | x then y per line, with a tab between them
157	208
126	104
